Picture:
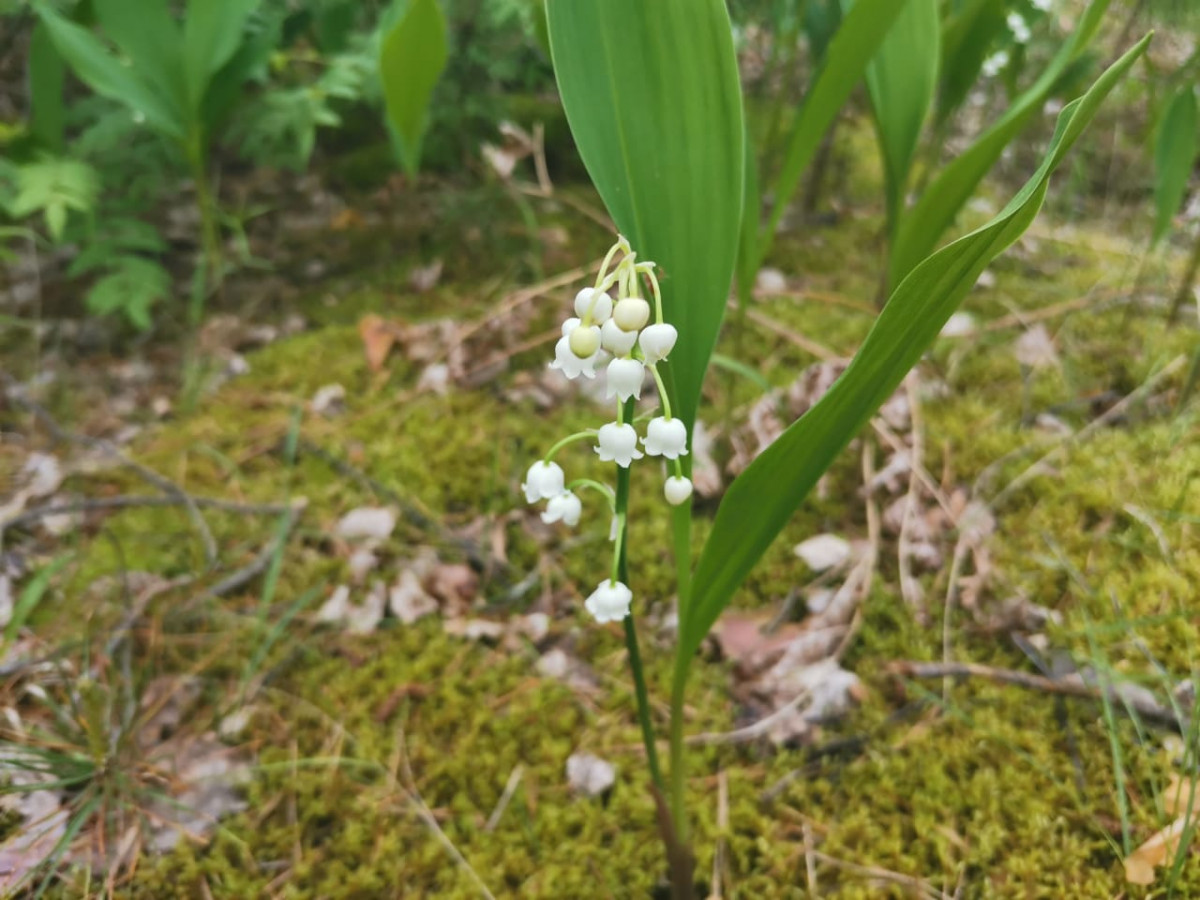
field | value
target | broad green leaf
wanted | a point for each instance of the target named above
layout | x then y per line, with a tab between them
104	73
251	60
46	76
748	258
968	34
652	96
762	499
149	37
1174	157
411	59
55	186
901	81
922	226
212	32
132	287
846	58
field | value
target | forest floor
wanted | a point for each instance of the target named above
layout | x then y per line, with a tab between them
287	627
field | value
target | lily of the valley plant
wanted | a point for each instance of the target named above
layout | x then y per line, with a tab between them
620	337
652	95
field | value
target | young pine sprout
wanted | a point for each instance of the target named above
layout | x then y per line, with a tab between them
632	338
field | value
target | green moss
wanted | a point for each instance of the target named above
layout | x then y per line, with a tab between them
1008	793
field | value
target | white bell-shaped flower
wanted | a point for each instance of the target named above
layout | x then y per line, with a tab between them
631	313
598	302
618	443
677	490
565	508
666	437
616	341
543	481
609	602
1019	27
657	341
567	361
625	377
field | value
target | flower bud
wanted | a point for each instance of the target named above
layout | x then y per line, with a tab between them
625	377
584	341
677	490
657	341
631	313
616	341
598	303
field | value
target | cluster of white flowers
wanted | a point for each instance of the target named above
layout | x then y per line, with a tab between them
1019	27
621	337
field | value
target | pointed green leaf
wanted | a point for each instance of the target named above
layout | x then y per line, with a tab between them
150	38
212	33
967	35
46	76
922	226
762	499
846	58
652	96
1174	157
411	59
901	81
103	73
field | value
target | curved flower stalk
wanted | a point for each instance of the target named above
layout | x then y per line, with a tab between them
629	338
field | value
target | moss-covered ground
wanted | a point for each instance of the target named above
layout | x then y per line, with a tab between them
982	791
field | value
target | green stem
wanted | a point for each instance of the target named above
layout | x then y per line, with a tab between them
681	527
631	641
209	238
662	390
570	438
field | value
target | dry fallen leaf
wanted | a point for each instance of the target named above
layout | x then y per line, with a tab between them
1035	348
424	278
42	823
823	551
590	775
378	337
373	523
359	618
329	400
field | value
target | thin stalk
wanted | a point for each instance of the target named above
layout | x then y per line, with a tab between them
681	527
631	641
1183	294
209	237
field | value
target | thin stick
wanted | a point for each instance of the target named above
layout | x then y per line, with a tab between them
820	351
510	789
720	854
1070	685
262	561
127	501
751	732
810	862
1088	430
919	885
910	588
960	556
15	393
426	816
